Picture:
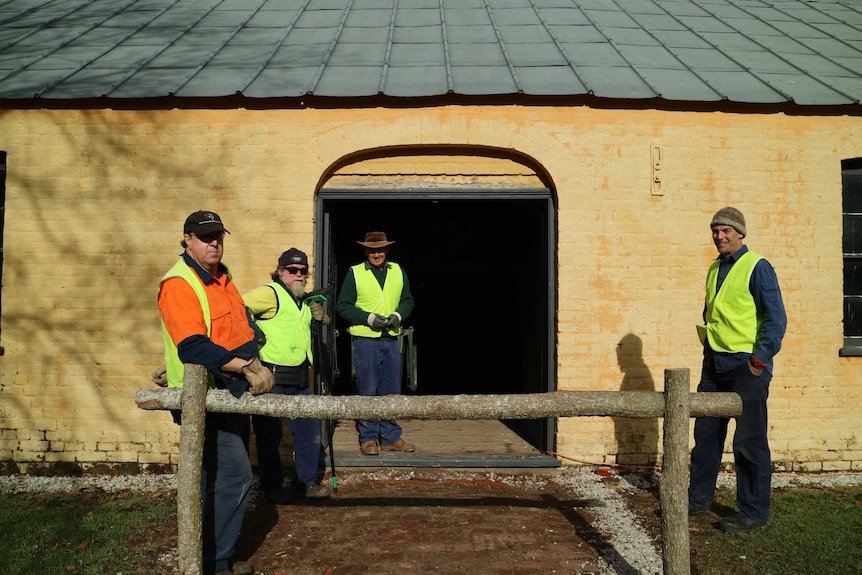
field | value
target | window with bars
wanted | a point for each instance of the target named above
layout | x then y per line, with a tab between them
851	185
2	219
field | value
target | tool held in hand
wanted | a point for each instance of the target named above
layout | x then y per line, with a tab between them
323	361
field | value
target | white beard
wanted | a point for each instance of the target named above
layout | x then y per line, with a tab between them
296	288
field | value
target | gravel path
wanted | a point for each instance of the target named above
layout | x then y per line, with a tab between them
632	552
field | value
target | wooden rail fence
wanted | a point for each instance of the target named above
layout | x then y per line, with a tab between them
676	405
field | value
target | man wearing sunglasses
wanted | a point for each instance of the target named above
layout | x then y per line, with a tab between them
205	322
281	312
375	300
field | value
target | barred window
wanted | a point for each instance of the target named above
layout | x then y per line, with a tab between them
2	216
851	184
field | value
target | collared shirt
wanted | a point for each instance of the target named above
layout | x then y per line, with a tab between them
764	288
232	334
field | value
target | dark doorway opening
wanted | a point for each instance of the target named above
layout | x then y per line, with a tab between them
480	266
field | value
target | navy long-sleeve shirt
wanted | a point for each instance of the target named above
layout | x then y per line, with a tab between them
764	288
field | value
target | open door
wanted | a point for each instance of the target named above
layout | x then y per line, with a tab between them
474	230
481	269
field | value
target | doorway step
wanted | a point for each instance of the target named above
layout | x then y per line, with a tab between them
445	444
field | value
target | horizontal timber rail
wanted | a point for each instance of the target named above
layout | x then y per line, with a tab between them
630	404
676	405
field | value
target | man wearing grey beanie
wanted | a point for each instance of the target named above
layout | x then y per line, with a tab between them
744	323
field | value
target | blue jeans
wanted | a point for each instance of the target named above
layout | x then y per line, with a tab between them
306	445
751	455
225	483
378	372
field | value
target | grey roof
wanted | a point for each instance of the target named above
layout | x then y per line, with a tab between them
805	52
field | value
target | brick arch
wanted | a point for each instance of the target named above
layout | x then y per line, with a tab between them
438	164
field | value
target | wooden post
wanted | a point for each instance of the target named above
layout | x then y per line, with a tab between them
674	477
190	541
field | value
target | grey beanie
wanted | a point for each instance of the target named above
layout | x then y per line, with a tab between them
729	217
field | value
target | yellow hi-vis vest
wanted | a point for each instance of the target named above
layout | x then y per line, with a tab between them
288	332
174	365
732	324
372	298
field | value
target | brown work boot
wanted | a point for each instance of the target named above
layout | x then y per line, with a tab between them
399	445
314	492
369	448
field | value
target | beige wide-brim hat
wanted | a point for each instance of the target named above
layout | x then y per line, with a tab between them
375	240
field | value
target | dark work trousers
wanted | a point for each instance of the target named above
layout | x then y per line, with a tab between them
225	484
378	372
751	453
306	435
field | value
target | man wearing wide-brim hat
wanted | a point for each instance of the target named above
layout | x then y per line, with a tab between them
375	300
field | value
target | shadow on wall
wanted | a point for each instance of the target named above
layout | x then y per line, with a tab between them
95	328
637	439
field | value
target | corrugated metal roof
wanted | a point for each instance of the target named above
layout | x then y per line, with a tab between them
808	52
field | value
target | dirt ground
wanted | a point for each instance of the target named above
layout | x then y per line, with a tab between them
417	526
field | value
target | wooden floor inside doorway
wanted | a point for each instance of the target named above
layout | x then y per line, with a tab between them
457	444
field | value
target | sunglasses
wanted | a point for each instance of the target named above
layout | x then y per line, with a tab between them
209	238
295	271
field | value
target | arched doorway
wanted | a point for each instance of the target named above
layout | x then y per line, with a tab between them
475	232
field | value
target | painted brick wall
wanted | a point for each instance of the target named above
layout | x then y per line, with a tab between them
95	201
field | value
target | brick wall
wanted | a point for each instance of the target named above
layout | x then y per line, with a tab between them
95	199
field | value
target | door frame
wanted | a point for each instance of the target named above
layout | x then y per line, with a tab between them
323	254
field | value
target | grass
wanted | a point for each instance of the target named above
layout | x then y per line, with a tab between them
92	534
815	531
811	531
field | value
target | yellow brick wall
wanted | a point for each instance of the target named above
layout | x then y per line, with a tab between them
95	201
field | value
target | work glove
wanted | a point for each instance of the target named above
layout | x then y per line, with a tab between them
259	378
376	322
393	321
755	366
316	311
160	376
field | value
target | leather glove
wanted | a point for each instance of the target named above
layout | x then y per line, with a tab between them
160	376
393	321
376	322
259	378
316	311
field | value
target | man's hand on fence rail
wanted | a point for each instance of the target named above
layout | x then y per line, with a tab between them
259	377
160	376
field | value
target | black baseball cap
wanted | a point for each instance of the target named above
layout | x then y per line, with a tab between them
293	256
202	223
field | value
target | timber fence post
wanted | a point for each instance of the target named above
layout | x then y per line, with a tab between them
673	488
192	430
